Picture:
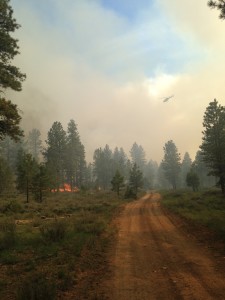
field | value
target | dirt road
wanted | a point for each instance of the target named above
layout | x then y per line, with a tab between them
153	259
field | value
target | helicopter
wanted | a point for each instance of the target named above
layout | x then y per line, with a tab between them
165	99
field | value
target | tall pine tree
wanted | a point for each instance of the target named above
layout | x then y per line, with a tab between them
185	168
34	143
55	154
138	156
10	75
213	141
171	163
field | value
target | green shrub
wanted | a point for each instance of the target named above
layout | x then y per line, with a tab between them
129	193
37	287
11	207
89	223
7	233
54	231
9	258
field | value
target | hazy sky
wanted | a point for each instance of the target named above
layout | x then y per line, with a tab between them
107	64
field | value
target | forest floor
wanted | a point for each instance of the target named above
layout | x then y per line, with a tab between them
156	256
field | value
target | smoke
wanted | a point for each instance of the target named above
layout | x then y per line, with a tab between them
87	62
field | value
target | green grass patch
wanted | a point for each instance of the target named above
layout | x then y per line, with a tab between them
205	207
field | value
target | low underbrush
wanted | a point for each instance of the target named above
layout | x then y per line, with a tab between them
54	242
204	208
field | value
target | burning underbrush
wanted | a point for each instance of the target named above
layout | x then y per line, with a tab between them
66	188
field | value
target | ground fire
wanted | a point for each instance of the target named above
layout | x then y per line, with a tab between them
66	188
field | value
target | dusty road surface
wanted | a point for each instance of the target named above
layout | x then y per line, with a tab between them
153	259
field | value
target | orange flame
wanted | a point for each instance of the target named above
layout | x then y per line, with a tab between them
66	188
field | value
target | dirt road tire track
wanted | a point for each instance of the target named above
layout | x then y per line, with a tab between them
153	259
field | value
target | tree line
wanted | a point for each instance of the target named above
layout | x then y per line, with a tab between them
37	168
210	159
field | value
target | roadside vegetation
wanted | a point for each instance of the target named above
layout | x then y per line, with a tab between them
201	208
55	248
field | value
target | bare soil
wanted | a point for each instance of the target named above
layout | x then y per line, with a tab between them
153	258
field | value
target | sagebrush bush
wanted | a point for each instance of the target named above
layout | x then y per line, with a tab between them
54	231
89	223
7	233
37	287
12	206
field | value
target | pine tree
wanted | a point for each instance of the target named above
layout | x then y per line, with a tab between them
117	182
9	120
81	166
40	182
192	180
136	179
72	154
150	174
185	168
89	176
9	151
162	181
6	176
10	76
34	143
55	155
171	163
138	156
103	166
26	170
213	141
119	161
201	169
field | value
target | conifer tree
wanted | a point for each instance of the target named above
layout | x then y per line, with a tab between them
103	166
201	169
73	149
138	156
136	179
9	151
41	182
150	174
119	161
26	170
10	75
192	180
117	182
55	154
185	168
171	163
6	176
34	143
213	141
